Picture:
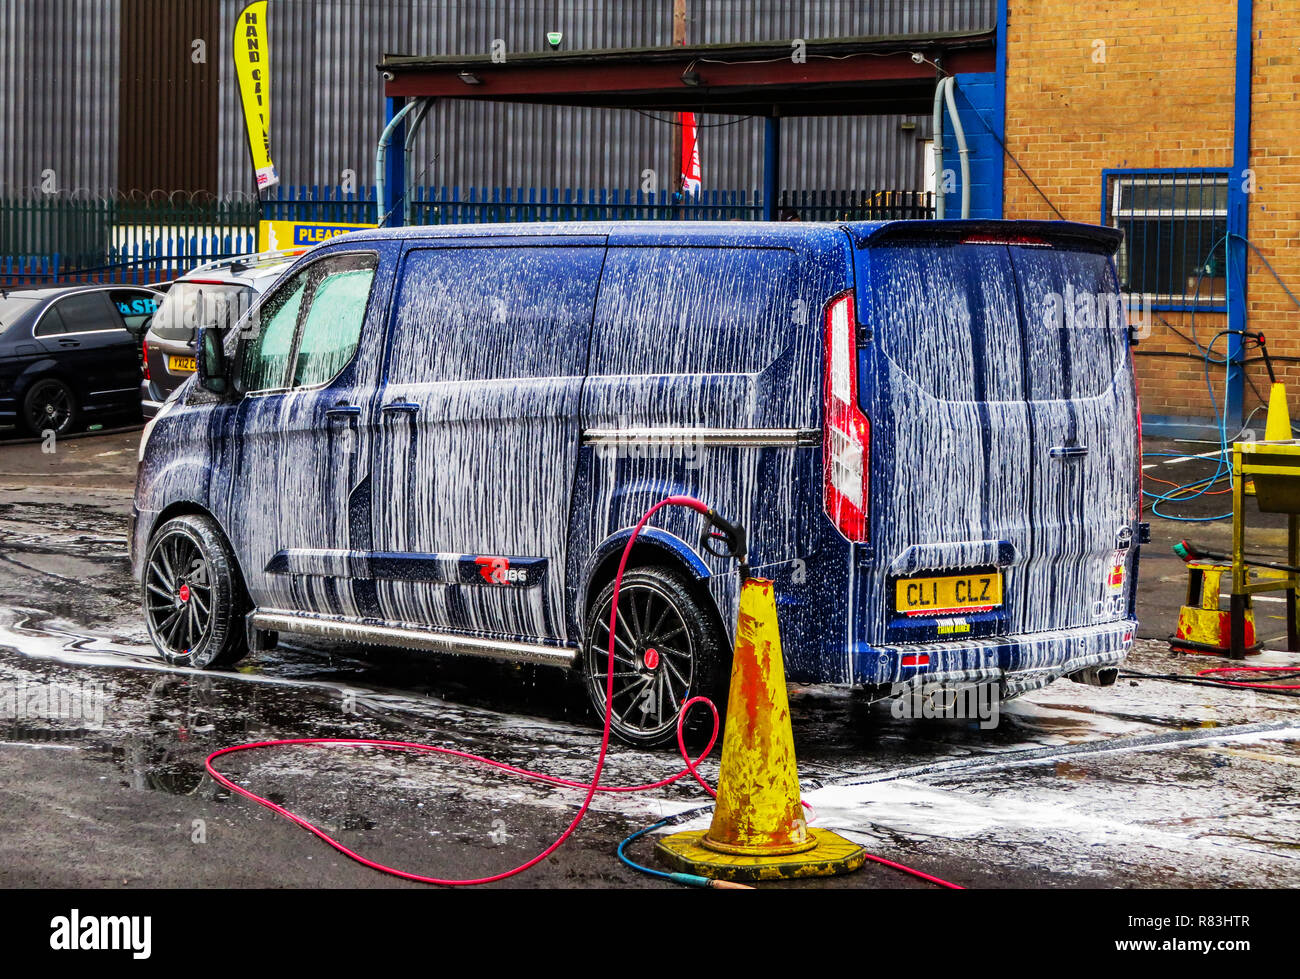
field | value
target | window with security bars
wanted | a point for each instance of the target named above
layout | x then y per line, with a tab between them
1174	222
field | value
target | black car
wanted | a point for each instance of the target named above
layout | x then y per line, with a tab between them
70	356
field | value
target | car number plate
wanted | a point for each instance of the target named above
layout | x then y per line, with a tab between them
183	365
948	595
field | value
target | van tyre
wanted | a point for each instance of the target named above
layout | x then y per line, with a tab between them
669	648
194	599
49	406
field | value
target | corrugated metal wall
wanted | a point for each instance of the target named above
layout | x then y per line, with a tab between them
59	87
58	95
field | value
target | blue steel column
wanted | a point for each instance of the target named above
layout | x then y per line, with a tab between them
1238	215
395	166
771	165
1000	104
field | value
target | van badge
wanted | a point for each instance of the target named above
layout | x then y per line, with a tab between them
497	571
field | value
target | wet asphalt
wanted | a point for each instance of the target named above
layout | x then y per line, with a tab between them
1148	783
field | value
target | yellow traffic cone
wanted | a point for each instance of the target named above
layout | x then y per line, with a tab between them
1277	427
758	830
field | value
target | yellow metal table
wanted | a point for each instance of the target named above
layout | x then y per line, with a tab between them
1273	470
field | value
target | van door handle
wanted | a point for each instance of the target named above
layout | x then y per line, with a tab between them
343	411
406	407
1068	451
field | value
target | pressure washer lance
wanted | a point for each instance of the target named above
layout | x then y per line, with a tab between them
1188	552
733	534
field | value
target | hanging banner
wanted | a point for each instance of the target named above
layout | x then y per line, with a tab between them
690	155
252	68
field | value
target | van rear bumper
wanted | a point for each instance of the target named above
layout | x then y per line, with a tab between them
1017	663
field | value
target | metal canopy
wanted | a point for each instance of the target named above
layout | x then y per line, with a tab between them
838	76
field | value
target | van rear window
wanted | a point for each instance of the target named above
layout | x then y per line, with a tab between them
1075	328
946	314
990	322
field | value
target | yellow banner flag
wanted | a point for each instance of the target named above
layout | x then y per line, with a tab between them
252	67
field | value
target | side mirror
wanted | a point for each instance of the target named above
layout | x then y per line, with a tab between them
211	363
140	329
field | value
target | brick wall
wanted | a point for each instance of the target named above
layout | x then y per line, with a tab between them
1160	94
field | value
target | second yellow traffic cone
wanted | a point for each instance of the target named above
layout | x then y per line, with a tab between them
1277	427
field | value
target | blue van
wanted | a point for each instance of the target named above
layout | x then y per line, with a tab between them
440	438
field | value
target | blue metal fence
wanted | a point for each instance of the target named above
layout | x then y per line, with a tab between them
54	240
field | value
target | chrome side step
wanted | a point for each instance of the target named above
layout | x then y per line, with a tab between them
352	630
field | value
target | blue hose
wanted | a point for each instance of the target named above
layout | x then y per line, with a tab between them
690	880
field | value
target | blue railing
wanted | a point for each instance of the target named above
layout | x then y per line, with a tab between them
50	240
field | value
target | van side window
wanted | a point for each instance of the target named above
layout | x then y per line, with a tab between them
477	313
266	357
310	327
332	330
696	310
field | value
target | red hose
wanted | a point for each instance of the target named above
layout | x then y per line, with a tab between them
591	787
1254	669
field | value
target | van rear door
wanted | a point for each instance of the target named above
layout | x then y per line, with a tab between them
1003	428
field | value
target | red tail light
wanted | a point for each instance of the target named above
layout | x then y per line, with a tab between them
144	349
846	431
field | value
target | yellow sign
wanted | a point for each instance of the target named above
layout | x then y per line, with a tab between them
252	68
274	236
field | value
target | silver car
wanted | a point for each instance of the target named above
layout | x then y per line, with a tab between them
215	295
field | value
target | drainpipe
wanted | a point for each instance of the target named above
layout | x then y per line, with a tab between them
937	131
381	160
962	149
411	130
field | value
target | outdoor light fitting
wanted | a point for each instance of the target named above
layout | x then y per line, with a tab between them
691	78
469	78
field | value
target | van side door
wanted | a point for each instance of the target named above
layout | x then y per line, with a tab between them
479	433
704	380
307	372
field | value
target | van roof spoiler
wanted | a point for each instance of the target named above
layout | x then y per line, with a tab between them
1067	234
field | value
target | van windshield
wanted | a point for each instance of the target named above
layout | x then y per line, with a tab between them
992	322
190	306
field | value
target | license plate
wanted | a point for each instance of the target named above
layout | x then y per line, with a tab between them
183	365
949	595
